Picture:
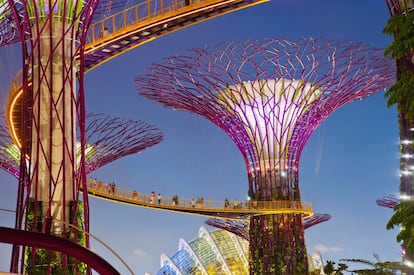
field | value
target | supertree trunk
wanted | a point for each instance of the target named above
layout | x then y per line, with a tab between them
53	111
273	237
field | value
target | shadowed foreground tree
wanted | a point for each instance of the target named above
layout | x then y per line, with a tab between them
329	268
377	267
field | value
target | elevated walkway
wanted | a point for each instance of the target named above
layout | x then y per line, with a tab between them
200	206
126	30
148	20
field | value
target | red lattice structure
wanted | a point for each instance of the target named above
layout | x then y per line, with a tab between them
241	228
269	97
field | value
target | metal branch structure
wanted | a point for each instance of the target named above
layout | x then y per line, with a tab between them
107	138
269	97
241	228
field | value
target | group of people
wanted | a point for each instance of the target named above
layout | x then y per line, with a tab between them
157	198
111	188
236	204
153	196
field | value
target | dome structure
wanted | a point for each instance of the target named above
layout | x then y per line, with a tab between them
214	252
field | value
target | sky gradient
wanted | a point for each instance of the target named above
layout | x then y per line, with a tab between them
350	161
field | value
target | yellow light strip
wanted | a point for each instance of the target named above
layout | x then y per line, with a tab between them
11	118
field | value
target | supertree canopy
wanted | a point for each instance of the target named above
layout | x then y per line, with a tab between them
390	201
107	138
241	228
269	97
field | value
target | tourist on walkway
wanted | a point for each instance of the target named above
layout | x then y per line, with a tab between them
235	204
226	203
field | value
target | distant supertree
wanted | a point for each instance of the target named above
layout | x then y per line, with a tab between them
107	138
388	201
269	97
241	228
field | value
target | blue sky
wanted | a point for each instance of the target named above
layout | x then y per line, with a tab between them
350	161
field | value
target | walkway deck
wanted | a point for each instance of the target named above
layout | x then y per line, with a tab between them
202	207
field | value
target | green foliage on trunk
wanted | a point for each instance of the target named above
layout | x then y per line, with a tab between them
402	50
404	217
40	261
277	245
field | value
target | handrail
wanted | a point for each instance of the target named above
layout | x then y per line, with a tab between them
131	16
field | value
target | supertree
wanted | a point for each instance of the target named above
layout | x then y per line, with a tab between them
388	201
51	34
241	228
400	25
269	97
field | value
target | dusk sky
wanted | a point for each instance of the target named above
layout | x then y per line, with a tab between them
350	161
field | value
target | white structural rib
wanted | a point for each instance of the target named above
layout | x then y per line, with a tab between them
183	244
203	233
164	259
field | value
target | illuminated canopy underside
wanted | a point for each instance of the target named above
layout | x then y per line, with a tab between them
269	111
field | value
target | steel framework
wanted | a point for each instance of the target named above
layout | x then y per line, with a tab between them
269	97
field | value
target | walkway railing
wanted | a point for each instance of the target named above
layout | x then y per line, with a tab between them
198	206
148	20
130	17
145	13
